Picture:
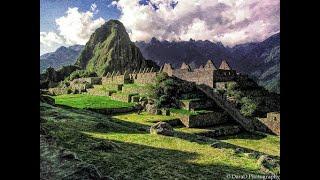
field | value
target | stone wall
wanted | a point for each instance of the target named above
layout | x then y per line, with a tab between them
203	120
118	79
221	75
203	76
93	80
207	75
140	78
144	78
269	124
59	91
223	85
113	111
195	104
221	131
122	97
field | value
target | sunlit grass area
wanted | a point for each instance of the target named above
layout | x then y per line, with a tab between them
203	154
144	118
129	153
266	143
89	101
120	149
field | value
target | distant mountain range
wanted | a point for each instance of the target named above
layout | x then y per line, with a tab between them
261	60
63	56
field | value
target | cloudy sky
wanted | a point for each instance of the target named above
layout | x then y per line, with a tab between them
69	22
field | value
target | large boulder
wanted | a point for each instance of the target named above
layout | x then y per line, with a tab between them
162	128
269	164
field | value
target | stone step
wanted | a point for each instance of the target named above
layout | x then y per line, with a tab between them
247	124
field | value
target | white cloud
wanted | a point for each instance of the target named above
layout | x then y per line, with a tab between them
76	27
93	7
231	22
113	4
73	28
49	41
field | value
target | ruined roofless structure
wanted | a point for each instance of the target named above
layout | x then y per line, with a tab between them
208	75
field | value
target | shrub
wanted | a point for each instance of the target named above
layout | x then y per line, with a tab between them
80	74
168	90
248	106
165	91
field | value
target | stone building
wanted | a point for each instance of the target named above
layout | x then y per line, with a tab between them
209	74
270	123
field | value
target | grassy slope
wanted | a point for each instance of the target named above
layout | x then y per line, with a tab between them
144	118
268	144
88	101
136	154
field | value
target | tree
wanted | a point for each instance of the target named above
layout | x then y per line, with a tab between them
165	91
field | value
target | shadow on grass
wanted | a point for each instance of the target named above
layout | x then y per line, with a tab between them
124	160
136	161
244	135
126	127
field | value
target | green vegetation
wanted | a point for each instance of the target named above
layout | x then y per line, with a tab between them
167	91
144	118
110	49
88	101
251	99
189	100
265	143
52	77
102	90
248	106
144	90
80	74
186	112
120	150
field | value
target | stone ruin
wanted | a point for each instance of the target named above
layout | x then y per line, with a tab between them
142	76
270	123
208	75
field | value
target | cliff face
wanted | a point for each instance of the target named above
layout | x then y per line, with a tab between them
110	49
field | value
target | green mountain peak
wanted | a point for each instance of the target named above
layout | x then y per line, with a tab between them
110	49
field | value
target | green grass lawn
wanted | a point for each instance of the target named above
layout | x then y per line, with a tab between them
144	118
143	89
89	101
132	153
266	143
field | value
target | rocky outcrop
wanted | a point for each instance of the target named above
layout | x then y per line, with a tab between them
162	128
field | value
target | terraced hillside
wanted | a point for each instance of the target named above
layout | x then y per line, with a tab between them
121	92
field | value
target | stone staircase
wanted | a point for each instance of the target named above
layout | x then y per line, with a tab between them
247	124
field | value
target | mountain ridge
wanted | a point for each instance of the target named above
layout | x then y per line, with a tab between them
261	60
63	56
